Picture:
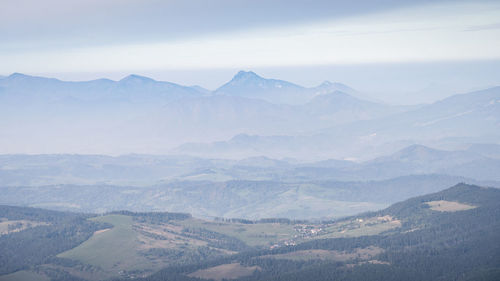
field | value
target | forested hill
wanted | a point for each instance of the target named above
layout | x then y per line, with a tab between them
449	235
32	236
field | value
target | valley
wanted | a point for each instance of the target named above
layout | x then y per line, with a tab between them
149	245
224	140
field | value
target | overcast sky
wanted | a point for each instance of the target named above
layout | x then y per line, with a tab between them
185	41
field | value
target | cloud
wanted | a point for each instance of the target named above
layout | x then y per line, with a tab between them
49	23
427	33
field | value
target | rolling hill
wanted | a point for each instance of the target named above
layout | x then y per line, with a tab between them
448	235
452	123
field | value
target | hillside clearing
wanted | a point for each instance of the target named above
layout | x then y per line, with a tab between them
24	275
360	227
318	254
225	271
112	250
260	234
136	249
9	226
449	206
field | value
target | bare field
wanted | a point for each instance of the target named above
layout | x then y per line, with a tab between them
449	206
9	226
24	275
316	254
225	271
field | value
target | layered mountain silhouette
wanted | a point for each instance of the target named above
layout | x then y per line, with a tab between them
452	123
133	88
248	116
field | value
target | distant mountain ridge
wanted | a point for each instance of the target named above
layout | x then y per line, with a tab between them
411	160
135	169
244	84
138	114
249	84
453	122
128	112
133	88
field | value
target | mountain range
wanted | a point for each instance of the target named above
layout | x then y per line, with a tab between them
250	85
275	181
246	117
146	170
251	188
452	123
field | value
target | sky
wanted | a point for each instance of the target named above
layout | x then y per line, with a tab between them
397	51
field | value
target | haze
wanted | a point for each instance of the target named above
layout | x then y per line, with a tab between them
399	52
249	140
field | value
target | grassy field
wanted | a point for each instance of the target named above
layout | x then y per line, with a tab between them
449	206
262	234
24	275
113	250
123	250
225	271
360	227
267	234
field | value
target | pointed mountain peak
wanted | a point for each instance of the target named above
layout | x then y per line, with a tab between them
326	83
336	85
414	152
328	87
417	147
17	75
134	78
245	75
417	151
